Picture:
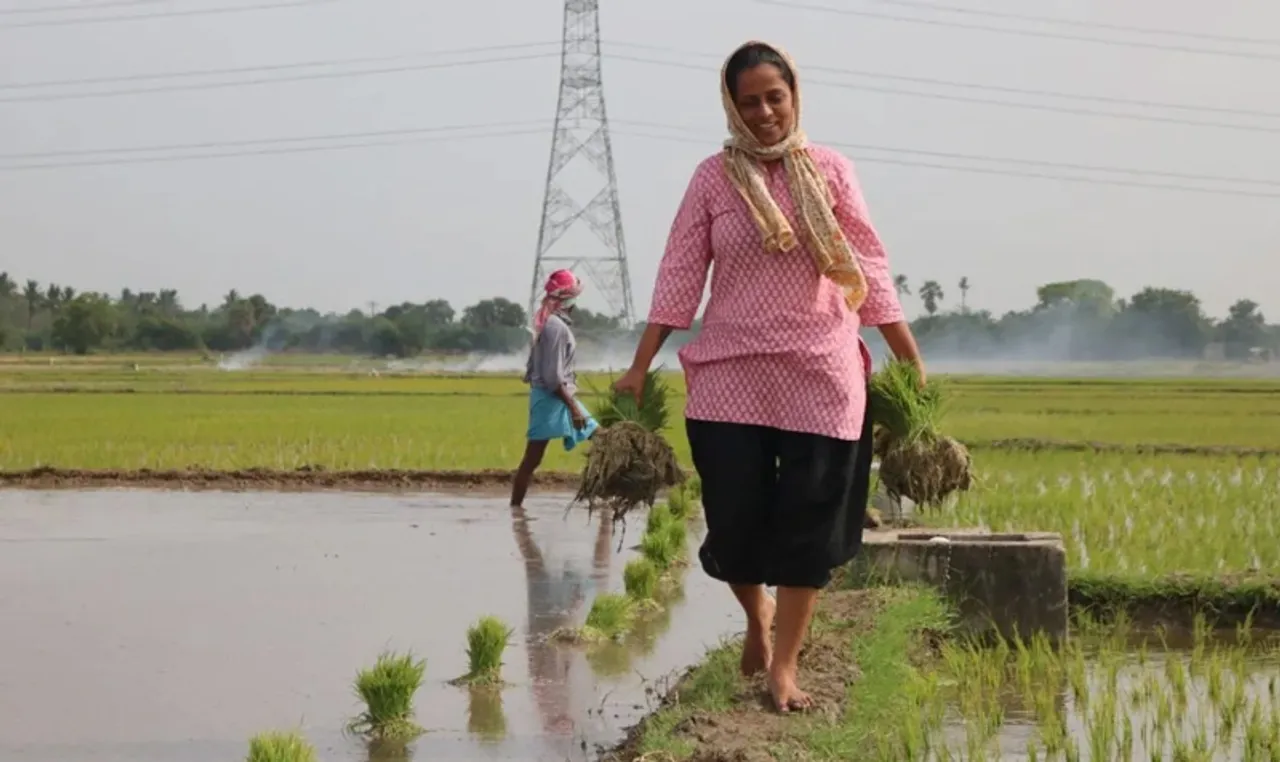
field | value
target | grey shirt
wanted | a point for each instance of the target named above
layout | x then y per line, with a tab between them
550	363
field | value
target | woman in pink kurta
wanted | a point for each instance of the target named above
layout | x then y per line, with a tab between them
777	402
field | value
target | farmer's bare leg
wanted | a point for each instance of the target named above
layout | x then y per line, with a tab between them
533	452
757	650
795	611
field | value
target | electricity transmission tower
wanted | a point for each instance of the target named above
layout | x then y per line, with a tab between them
581	140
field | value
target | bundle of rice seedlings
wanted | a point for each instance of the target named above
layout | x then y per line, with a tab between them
640	579
916	460
610	616
659	549
680	503
280	747
659	516
387	689
629	461
677	532
486	641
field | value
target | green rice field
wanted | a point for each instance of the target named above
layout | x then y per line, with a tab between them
1208	508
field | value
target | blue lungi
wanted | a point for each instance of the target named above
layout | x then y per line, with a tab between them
549	419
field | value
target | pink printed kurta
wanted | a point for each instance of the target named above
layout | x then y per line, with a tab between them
778	345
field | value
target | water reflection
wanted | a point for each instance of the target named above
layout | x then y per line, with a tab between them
485	717
556	594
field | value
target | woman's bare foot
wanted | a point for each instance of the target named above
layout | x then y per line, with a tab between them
757	649
787	697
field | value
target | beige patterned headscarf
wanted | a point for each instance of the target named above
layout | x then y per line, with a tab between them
809	192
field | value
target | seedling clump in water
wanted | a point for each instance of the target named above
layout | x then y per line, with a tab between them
387	689
680	503
280	747
640	577
486	642
658	548
611	615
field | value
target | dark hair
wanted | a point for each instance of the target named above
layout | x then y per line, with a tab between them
751	56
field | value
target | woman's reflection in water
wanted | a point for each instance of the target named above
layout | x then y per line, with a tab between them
556	594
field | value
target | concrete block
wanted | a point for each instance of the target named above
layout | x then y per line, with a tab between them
1007	584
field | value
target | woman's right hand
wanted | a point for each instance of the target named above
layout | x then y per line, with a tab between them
632	382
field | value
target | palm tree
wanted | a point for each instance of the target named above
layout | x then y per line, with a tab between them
964	294
35	298
168	301
931	294
900	285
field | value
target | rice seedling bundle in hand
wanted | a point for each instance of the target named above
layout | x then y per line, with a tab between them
916	460
629	461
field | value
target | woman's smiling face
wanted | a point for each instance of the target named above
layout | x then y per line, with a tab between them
764	100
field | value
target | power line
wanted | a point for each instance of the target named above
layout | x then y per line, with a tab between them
990	170
493	48
1022	32
168	14
430	134
263	67
541	123
274	80
976	86
271	151
1011	160
75	7
989	102
1083	24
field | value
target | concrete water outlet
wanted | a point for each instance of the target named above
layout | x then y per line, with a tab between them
1006	584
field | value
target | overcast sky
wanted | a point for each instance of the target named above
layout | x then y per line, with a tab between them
456	217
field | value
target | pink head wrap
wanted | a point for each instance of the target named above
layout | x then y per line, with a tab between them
562	285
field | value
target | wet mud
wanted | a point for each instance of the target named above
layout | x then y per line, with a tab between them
158	625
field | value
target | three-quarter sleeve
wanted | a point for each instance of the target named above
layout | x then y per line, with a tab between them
882	305
682	273
550	355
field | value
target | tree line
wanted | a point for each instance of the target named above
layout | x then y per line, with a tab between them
1070	320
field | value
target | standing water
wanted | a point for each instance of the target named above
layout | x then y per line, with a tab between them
172	626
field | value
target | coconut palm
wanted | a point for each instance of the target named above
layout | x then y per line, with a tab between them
901	286
931	294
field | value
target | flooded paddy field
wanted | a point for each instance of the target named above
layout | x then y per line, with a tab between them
1116	692
172	626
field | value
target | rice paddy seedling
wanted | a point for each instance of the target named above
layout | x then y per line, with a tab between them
629	461
611	615
487	639
680	504
916	460
387	689
1093	698
677	534
640	578
280	747
659	516
658	548
693	488
1137	517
